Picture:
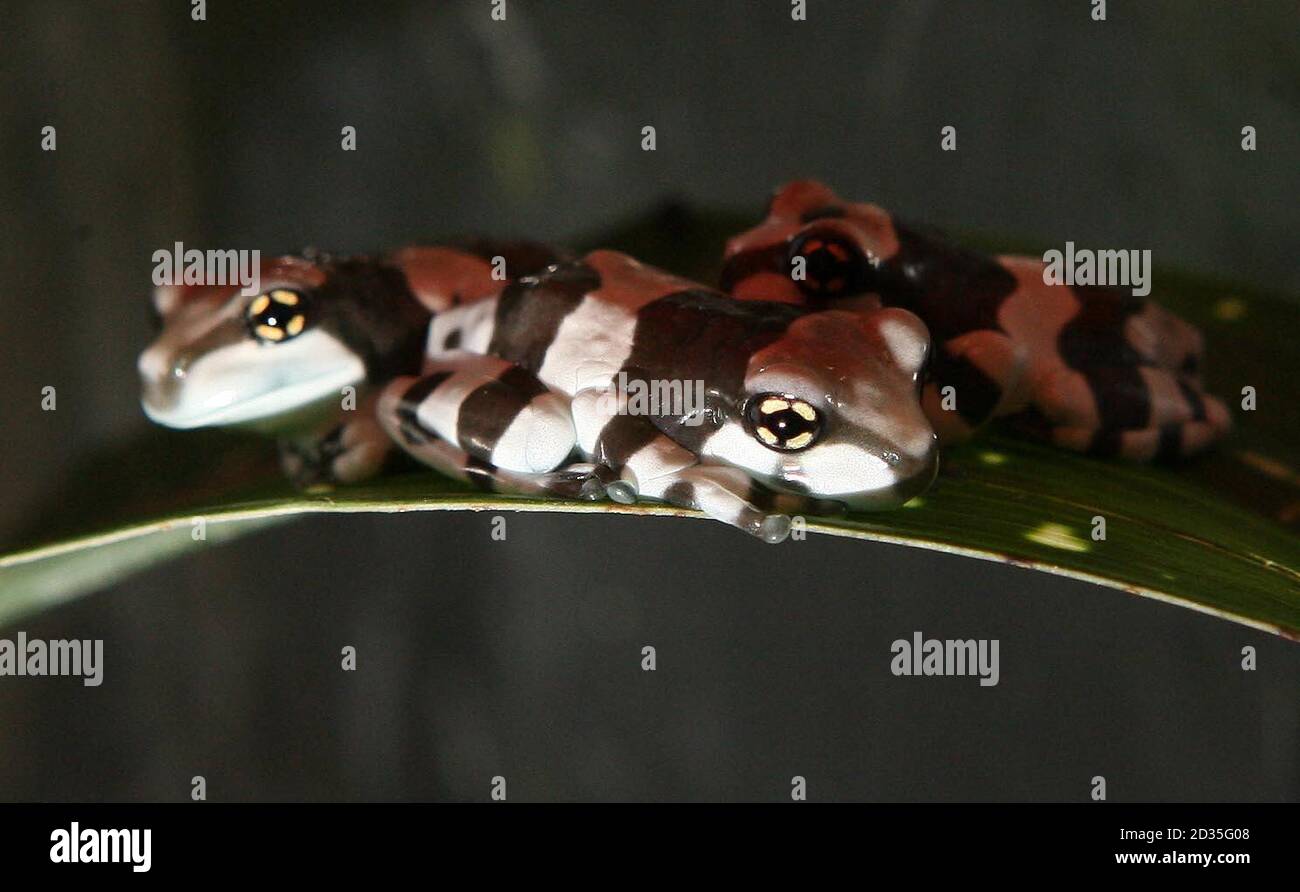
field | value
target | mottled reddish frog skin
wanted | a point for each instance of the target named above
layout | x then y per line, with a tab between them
1089	368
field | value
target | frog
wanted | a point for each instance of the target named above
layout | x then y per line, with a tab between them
303	359
805	410
1089	368
524	389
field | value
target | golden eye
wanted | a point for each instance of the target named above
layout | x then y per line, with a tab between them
784	422
277	316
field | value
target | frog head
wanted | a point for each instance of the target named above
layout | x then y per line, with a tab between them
316	326
831	410
813	248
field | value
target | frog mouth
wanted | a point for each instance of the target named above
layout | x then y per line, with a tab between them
913	475
884	478
227	408
248	382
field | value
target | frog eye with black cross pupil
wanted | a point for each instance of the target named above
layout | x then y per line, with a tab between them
277	316
784	423
833	265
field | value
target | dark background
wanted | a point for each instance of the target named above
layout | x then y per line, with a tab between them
522	658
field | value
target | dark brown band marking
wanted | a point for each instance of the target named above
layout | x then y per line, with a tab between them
1171	442
701	335
1095	336
1194	400
1120	393
975	393
955	290
622	437
529	312
371	307
408	404
1094	343
490	408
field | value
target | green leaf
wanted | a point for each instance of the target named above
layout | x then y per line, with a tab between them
1216	534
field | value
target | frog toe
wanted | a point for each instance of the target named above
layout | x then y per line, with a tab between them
581	481
309	463
724	494
773	528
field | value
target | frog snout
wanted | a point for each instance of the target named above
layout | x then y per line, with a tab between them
899	476
154	363
914	473
160	369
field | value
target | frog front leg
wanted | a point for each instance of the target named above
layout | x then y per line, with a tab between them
350	448
721	492
649	464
